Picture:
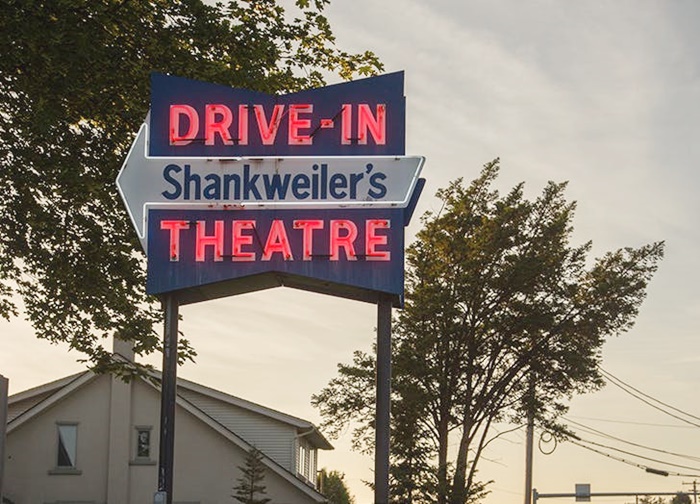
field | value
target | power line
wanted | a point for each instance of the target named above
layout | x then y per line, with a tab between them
632	463
646	399
624	387
631	443
629	422
600	445
608	373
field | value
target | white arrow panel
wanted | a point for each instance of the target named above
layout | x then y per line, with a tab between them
288	182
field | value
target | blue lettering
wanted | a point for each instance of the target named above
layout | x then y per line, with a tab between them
276	185
324	180
338	181
177	188
213	190
192	178
314	183
235	179
249	183
380	188
300	182
354	180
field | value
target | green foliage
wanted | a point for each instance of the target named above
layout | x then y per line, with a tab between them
74	88
332	486
496	298
251	488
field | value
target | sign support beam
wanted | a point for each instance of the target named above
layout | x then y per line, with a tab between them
383	412
167	404
3	423
337	184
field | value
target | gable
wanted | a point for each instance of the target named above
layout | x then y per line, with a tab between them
274	438
22	402
18	407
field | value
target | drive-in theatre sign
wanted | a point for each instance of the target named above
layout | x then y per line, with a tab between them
232	191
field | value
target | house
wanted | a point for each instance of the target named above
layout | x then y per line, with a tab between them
93	439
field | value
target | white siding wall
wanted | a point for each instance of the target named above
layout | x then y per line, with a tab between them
274	438
32	448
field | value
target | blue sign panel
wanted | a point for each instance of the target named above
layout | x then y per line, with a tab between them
204	254
197	119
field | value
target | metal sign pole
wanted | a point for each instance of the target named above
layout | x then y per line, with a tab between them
3	424
381	454
167	401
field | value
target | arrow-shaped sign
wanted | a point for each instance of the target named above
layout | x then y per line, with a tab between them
266	182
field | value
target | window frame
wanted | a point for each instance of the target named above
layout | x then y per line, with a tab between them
137	459
66	469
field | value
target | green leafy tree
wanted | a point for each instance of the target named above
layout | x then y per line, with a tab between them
251	487
332	486
74	88
497	301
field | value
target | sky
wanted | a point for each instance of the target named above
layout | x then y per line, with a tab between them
604	95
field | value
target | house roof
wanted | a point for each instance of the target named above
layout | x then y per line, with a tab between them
59	388
304	427
43	389
27	404
23	406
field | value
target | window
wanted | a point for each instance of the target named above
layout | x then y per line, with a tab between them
306	463
67	445
141	446
301	461
143	442
312	467
66	449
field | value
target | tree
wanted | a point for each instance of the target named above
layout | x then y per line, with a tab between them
651	500
332	485
250	488
681	498
74	80
502	315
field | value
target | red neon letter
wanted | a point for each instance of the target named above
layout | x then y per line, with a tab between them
346	125
372	240
277	241
239	239
295	124
376	125
346	242
174	226
176	111
211	126
203	240
243	125
307	227
268	131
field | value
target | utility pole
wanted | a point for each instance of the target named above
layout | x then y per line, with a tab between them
529	440
695	489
